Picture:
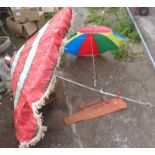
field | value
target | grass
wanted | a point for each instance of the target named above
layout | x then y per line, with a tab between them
63	60
48	16
134	37
125	26
121	53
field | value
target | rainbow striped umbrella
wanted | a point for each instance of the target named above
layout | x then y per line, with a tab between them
93	40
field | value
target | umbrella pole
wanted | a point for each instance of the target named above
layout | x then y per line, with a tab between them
103	92
94	71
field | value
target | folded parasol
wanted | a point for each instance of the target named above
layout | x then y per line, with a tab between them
33	76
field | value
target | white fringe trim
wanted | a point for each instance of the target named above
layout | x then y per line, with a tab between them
35	107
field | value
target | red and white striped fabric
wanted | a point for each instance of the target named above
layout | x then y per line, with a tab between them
33	76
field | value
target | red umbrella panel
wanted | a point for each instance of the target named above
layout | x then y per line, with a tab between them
33	76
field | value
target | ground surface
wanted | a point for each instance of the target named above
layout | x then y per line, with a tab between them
133	127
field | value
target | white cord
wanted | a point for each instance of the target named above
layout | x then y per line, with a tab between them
103	92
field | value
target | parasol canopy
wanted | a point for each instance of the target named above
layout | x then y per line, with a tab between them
93	40
33	76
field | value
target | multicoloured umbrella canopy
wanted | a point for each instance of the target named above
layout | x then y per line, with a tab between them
93	40
33	76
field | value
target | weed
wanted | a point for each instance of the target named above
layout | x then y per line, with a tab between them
134	37
125	26
48	16
121	53
63	60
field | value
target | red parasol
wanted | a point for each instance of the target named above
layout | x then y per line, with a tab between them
33	76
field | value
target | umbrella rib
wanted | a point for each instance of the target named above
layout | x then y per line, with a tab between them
94	70
103	92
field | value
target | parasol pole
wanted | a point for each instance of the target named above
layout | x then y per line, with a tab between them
94	71
105	93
